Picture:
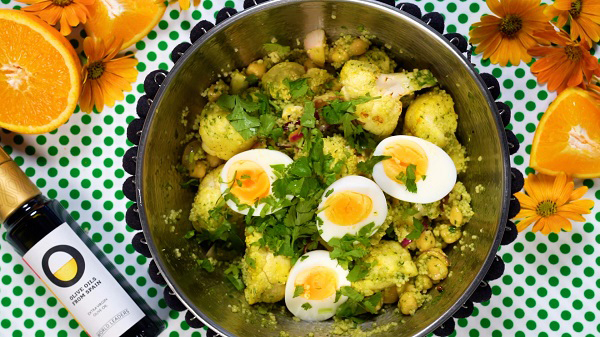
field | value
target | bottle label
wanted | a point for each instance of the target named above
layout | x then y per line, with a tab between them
82	284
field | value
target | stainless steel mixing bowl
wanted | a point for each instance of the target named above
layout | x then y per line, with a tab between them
234	44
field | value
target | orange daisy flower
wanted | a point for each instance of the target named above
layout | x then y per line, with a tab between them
105	77
582	15
550	203
508	34
69	13
185	4
564	62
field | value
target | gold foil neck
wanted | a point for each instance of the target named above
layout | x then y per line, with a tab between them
15	187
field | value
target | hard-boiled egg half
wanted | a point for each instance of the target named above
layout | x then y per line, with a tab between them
249	175
311	287
350	204
434	170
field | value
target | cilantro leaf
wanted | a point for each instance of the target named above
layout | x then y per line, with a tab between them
371	302
411	178
233	275
299	290
298	88
301	168
351	293
189	234
267	125
206	265
245	124
306	306
308	118
359	271
366	167
417	230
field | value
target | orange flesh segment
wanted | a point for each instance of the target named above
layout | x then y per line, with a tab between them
348	208
318	282
249	181
36	70
129	20
404	153
568	137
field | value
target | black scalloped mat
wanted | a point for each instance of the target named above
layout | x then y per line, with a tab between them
153	81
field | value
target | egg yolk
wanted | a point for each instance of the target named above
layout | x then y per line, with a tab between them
404	153
348	208
318	282
249	181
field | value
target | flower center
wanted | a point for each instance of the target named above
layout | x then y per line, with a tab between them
573	53
576	8
511	25
62	3
546	208
95	70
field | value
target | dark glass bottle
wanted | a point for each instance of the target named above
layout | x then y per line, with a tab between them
70	264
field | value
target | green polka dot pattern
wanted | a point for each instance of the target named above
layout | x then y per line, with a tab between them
549	287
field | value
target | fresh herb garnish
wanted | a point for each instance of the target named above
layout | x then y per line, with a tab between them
452	229
206	265
366	167
250	261
409	178
341	113
351	247
299	290
359	271
190	183
298	88
308	118
357	304
189	235
277	48
233	274
306	306
417	230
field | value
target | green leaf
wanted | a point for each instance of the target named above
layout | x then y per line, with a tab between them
267	125
299	290
189	234
371	302
308	118
190	183
417	230
206	265
226	102
359	271
411	178
366	167
298	88
301	167
306	306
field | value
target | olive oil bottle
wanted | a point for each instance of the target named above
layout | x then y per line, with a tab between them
68	262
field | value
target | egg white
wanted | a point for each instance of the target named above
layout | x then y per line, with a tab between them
264	158
321	309
440	176
329	230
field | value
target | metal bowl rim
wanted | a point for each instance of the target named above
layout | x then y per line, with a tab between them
280	3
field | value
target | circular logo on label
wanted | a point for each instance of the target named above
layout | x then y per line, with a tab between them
63	265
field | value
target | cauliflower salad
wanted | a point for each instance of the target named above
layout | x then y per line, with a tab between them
326	180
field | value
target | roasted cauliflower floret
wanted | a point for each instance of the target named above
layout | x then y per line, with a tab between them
219	138
343	154
275	81
264	273
405	82
379	116
458	209
209	193
434	264
393	266
431	117
315	44
358	79
380	59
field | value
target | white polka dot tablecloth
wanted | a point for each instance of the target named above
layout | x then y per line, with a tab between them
551	285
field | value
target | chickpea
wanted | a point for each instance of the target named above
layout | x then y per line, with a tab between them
437	269
257	69
338	56
450	234
358	47
390	294
423	282
408	303
213	161
426	241
192	152
456	217
199	170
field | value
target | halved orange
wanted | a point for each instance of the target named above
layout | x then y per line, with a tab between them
568	136
129	20
40	74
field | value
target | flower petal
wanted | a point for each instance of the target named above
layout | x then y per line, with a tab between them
526	201
578	193
526	222
571	215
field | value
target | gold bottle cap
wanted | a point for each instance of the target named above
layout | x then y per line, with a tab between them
15	187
